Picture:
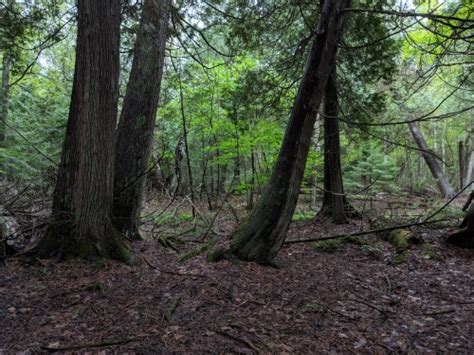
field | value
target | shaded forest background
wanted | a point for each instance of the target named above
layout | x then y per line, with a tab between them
237	75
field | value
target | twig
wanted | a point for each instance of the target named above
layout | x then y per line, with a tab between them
239	340
370	305
95	345
171	272
211	224
447	203
446	311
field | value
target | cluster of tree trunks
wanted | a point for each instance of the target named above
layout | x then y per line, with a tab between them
81	222
99	190
87	221
262	234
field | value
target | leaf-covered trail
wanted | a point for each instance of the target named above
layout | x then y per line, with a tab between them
360	298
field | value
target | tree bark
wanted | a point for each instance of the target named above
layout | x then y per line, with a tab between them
442	181
137	120
470	169
335	203
261	235
461	161
81	223
4	100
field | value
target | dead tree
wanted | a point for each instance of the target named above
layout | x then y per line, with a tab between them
442	181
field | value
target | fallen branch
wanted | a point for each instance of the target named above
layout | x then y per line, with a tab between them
427	220
449	202
446	311
239	340
358	234
94	345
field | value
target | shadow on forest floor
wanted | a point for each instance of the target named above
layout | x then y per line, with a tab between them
352	297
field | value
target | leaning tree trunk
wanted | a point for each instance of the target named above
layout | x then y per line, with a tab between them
335	203
81	223
442	181
262	234
137	121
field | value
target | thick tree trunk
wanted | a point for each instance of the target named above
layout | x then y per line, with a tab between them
4	99
335	203
442	181
81	222
262	234
137	120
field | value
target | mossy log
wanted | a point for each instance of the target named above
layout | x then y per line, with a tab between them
402	239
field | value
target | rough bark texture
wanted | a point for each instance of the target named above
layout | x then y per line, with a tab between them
443	183
5	90
469	156
81	223
335	204
262	234
461	162
137	120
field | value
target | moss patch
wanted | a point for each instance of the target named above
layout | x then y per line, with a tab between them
401	239
303	216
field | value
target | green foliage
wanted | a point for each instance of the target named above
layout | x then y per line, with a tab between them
303	215
237	105
367	168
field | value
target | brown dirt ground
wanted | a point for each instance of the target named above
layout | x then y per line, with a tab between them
357	299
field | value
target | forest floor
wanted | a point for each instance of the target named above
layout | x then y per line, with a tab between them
351	296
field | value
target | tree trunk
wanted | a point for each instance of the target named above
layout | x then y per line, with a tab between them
262	234
443	183
335	203
81	223
461	162
177	179
4	100
155	176
137	120
470	168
